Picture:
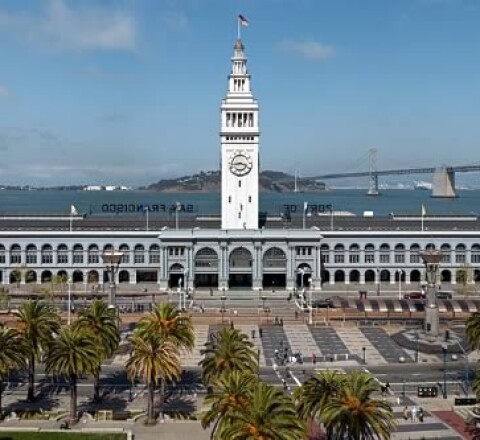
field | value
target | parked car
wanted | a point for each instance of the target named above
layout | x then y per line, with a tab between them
323	303
414	295
444	294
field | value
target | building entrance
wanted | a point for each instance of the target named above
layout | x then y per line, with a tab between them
274	281
206	280
240	281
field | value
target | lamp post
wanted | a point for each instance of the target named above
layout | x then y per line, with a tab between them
69	305
310	306
111	259
431	259
444	350
223	298
185	294
264	299
378	281
301	271
400	273
364	349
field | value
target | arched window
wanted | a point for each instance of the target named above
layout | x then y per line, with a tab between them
354	276
154	254
370	253
240	258
47	255
15	254
354	254
430	247
62	254
415	276
415	253
31	254
339	276
475	254
139	254
460	254
126	254
78	254
206	258
93	257
274	257
370	276
339	257
384	254
446	251
2	254
400	253
325	253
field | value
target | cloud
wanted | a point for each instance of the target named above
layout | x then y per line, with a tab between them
4	92
61	26
311	50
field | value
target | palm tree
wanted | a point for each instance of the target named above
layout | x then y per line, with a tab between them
230	392
354	414
472	331
231	351
152	359
315	393
72	353
37	322
166	320
270	415
12	355
101	322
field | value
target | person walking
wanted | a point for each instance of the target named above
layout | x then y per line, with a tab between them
414	414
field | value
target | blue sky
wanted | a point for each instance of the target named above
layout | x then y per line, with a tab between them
129	91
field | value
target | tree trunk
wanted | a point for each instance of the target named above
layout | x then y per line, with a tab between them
151	403
96	386
73	398
1	395
31	378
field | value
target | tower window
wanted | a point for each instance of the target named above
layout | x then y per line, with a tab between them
229	199
239	215
241	207
249	199
239	183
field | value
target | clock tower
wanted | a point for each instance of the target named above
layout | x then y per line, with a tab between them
239	151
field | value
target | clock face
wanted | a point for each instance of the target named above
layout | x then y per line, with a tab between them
240	164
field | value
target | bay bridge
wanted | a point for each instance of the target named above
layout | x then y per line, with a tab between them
443	181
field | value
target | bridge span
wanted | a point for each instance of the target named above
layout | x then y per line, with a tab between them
443	182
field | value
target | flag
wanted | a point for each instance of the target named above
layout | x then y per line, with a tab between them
146	208
305	206
243	21
424	211
73	210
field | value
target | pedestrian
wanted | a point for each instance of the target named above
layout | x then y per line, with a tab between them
211	291
420	415
414	414
281	322
276	320
260	332
314	358
405	412
253	333
296	314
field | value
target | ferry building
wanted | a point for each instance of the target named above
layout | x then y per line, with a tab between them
241	248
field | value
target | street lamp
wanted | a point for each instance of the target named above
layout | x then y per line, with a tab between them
400	273
185	294
364	349
111	259
223	298
444	350
310	307
431	259
69	305
301	271
378	281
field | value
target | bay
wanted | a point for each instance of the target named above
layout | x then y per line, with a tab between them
352	200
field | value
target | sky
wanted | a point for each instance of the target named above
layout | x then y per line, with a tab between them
129	91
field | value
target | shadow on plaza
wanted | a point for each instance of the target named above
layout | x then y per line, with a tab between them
41	404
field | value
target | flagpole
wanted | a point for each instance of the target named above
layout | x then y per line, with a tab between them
422	221
71	220
238	28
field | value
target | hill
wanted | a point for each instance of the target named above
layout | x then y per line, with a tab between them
210	181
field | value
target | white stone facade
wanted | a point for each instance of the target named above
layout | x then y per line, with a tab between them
239	148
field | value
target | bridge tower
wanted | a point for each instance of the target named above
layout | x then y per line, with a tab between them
373	176
443	183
